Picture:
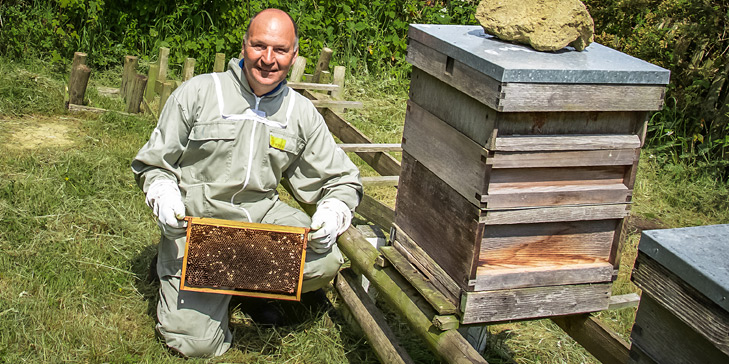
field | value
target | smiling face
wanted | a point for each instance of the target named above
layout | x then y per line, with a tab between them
269	50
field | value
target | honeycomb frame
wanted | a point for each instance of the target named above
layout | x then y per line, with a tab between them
244	259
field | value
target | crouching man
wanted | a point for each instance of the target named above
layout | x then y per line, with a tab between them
222	144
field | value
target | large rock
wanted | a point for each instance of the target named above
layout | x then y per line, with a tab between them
546	25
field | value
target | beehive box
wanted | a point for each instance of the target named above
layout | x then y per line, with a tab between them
683	316
518	168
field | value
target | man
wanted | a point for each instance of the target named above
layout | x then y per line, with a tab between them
222	144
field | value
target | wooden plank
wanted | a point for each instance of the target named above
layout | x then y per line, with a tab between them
442	222
523	97
446	322
520	178
536	143
313	86
81	108
598	339
666	338
526	303
419	258
370	319
586	158
565	123
554	214
638	356
376	212
431	294
337	104
464	78
684	302
558	273
453	157
508	246
534	245
381	181
624	301
370	147
555	195
382	163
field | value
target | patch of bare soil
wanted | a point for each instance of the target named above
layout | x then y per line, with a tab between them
38	132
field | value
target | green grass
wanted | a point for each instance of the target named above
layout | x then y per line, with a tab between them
76	239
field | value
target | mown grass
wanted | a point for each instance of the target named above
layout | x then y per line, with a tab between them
76	239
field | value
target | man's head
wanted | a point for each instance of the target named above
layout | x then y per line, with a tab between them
270	47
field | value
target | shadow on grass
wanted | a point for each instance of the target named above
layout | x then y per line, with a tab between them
145	283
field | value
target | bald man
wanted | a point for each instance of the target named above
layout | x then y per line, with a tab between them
223	143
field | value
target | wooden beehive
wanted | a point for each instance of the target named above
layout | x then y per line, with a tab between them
245	259
518	168
683	315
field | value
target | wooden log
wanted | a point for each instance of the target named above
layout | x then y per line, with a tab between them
339	74
323	64
151	81
78	84
446	322
448	345
376	212
431	294
165	94
370	147
130	69
595	337
219	65
79	58
312	86
370	319
297	70
325	77
188	69
135	93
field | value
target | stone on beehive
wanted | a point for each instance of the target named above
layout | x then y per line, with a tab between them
546	25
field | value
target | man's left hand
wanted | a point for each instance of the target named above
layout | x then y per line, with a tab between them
332	218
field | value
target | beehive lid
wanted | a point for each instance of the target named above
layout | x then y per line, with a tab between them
698	255
509	62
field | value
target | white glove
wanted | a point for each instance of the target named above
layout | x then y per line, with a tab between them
332	218
164	197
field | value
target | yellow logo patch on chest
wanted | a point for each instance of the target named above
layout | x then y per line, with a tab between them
278	143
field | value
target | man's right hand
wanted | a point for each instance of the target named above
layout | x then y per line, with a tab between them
164	197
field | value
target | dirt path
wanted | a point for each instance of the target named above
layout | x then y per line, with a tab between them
38	131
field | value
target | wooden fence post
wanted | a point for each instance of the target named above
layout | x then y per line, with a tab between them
151	81
130	69
78	58
297	71
339	73
322	64
77	85
219	65
135	92
164	54
165	94
188	69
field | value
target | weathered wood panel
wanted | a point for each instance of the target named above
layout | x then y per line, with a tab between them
554	214
687	304
535	143
450	155
580	97
567	123
514	246
442	222
419	258
558	273
585	158
521	303
669	340
555	195
376	212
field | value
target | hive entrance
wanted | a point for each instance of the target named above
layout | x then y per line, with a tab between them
247	259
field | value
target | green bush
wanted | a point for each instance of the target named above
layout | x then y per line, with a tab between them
690	39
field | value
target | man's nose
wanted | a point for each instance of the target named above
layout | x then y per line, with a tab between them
268	55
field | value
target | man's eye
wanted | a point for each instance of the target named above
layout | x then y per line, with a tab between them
281	50
259	48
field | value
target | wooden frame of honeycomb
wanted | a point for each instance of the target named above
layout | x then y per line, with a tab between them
244	259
